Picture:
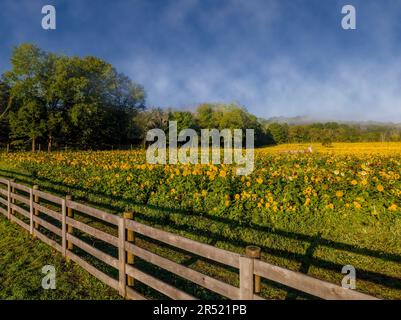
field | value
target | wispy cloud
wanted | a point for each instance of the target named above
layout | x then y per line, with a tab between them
275	57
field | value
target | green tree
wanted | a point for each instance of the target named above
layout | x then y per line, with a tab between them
99	102
84	101
4	106
231	116
185	119
27	81
153	118
279	132
204	116
28	122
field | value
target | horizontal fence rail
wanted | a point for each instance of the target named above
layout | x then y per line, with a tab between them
51	219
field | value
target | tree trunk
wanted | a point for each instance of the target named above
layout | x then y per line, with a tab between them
144	143
33	144
10	101
49	145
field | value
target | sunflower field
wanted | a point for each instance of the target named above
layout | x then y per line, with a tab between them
348	194
281	184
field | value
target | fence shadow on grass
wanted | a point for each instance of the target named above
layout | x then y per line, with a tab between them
117	204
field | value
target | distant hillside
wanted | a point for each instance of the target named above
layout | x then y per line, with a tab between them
305	120
291	120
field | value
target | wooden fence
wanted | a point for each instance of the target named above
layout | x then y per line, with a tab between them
30	208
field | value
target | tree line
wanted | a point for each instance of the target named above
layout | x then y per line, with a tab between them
83	102
329	132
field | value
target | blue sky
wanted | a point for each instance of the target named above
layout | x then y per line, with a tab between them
276	57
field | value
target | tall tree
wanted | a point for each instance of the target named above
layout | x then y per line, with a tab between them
28	122
279	132
4	107
27	89
153	118
185	120
204	115
84	101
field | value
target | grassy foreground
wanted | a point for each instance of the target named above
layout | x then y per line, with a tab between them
21	262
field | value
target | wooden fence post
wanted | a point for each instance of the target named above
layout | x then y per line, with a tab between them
35	211
245	278
8	199
12	199
254	253
130	238
63	228
121	257
31	211
70	230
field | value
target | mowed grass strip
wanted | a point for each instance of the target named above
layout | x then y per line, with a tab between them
21	261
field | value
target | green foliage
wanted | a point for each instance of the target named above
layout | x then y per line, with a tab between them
81	101
28	122
185	120
326	133
279	132
231	116
206	116
4	102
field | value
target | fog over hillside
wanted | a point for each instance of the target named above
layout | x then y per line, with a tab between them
299	120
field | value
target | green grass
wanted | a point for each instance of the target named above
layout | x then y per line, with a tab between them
317	244
21	261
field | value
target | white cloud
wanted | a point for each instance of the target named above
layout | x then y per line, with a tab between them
364	90
188	53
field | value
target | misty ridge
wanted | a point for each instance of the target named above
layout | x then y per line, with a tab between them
299	120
